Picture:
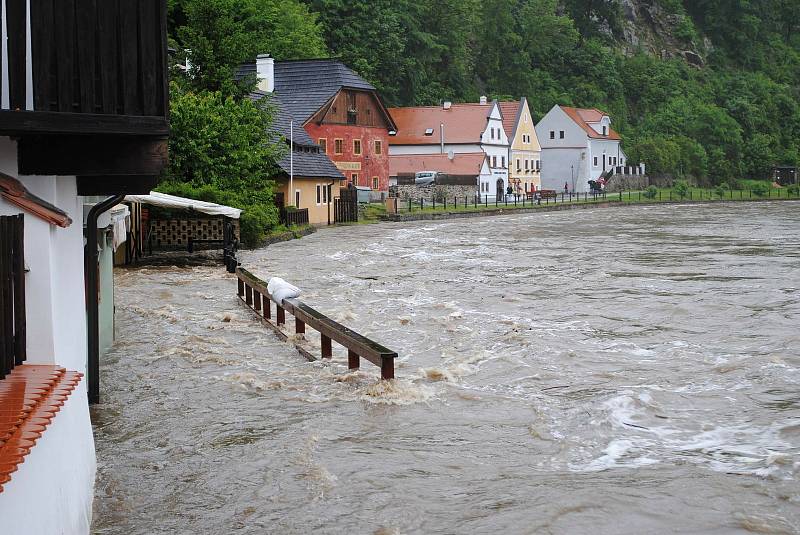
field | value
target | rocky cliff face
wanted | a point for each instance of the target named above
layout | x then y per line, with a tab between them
647	25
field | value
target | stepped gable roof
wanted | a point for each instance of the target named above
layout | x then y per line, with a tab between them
510	111
464	164
463	123
583	117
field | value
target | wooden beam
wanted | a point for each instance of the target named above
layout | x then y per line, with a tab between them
44	122
91	155
117	185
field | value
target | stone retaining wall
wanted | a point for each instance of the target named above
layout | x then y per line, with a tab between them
439	192
627	183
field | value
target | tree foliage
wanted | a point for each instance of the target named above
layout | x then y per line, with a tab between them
219	152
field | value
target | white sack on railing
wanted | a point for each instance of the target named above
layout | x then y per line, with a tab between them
279	289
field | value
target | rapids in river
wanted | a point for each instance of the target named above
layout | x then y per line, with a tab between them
629	370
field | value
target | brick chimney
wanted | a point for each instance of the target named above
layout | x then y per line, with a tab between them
265	72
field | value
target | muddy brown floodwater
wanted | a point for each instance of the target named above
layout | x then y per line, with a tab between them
600	371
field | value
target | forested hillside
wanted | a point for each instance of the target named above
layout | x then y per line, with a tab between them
705	88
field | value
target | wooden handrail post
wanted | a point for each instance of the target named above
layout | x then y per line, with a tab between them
387	369
327	351
241	288
299	326
280	316
248	295
267	307
353	360
256	301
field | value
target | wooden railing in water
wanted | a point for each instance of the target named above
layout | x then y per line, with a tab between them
253	292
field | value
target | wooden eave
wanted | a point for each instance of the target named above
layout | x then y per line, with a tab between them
17	123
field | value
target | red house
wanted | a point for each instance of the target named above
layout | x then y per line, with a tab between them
338	109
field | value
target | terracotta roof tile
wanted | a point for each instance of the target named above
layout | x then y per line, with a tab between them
583	117
468	164
15	192
510	111
463	123
30	397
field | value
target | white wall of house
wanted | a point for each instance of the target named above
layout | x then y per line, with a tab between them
494	142
52	490
570	159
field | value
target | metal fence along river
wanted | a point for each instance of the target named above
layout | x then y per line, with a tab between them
621	370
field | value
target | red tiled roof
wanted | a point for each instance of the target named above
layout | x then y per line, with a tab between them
463	123
510	110
468	164
583	117
14	192
30	397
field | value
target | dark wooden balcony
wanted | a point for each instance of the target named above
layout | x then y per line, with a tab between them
88	77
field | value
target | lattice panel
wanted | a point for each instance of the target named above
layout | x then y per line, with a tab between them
168	233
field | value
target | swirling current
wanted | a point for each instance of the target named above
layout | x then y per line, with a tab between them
623	370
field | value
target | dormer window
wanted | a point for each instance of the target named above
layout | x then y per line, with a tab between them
429	131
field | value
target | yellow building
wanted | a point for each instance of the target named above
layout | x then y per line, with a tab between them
524	153
312	193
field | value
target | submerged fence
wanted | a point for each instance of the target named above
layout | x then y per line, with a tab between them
552	197
252	291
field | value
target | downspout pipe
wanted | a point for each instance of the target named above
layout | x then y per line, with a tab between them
90	259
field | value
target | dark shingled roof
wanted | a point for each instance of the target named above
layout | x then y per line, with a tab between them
306	164
282	119
311	164
305	86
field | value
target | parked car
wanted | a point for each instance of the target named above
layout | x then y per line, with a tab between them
425	178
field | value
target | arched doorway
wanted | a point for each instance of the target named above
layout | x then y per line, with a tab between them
500	189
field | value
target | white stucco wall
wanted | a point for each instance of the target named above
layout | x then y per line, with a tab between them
52	490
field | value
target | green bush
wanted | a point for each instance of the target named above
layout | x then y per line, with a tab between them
651	192
794	190
760	189
681	188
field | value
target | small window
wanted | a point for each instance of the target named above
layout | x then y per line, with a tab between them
357	147
492	129
519	165
527	164
354	179
297	198
605	130
503	162
338	146
319	194
323	145
375	182
378	146
595	161
552	134
561	135
538	164
330	191
429	131
324	194
494	161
